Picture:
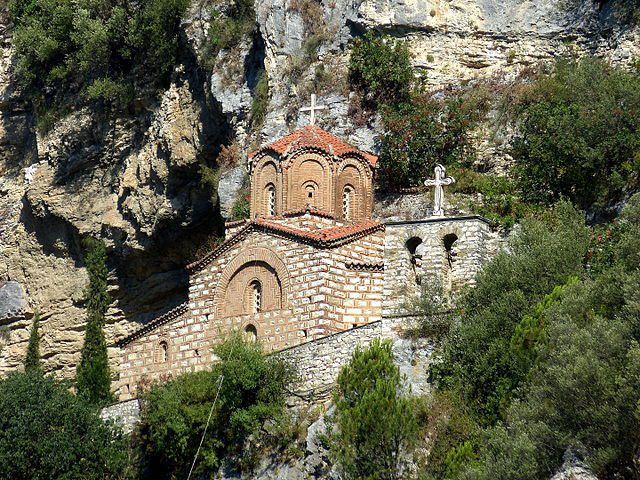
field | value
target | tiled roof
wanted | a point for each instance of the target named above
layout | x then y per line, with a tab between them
314	137
153	324
322	238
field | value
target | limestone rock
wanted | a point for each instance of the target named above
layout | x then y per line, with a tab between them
13	301
230	184
573	469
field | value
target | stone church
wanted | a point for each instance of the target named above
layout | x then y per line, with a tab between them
310	262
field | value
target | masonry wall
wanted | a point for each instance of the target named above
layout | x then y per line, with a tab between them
321	294
407	272
319	362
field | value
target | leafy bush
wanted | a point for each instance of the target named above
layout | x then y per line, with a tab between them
579	134
500	199
373	424
226	29
66	46
260	100
478	358
32	360
420	133
175	415
48	433
582	397
380	68
565	369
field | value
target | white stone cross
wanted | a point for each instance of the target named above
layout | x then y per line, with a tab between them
312	109
439	182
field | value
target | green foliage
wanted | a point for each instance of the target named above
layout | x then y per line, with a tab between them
579	134
380	68
175	414
432	311
531	333
48	433
63	47
500	201
420	133
260	100
373	424
93	374
572	369
449	425
478	358
32	361
226	30
241	208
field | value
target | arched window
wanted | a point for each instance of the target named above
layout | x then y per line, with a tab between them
415	257
256	297
271	199
449	240
251	333
310	191
162	355
347	197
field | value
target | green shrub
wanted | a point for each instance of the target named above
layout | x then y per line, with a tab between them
241	208
579	134
380	68
567	374
374	425
500	201
477	356
420	133
63	47
260	100
48	433
175	415
226	30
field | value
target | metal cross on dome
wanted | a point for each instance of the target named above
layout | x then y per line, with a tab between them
312	109
439	182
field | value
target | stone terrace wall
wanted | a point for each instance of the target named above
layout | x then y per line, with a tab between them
319	362
125	414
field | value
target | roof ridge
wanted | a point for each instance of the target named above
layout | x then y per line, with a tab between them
317	138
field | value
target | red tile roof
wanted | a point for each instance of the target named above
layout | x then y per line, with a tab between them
322	238
315	137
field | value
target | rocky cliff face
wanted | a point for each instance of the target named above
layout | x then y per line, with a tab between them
135	181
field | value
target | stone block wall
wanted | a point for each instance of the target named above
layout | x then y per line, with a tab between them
124	414
439	251
319	362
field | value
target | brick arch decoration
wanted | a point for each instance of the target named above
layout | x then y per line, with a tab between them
266	170
297	174
247	257
352	172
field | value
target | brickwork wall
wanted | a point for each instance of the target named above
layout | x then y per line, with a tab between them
321	175
406	272
308	293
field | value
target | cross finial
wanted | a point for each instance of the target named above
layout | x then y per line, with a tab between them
312	109
439	182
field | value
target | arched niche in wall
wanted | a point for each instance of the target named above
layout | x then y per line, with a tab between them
266	187
414	251
235	293
309	174
353	174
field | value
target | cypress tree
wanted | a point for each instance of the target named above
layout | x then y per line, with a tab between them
32	361
93	375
